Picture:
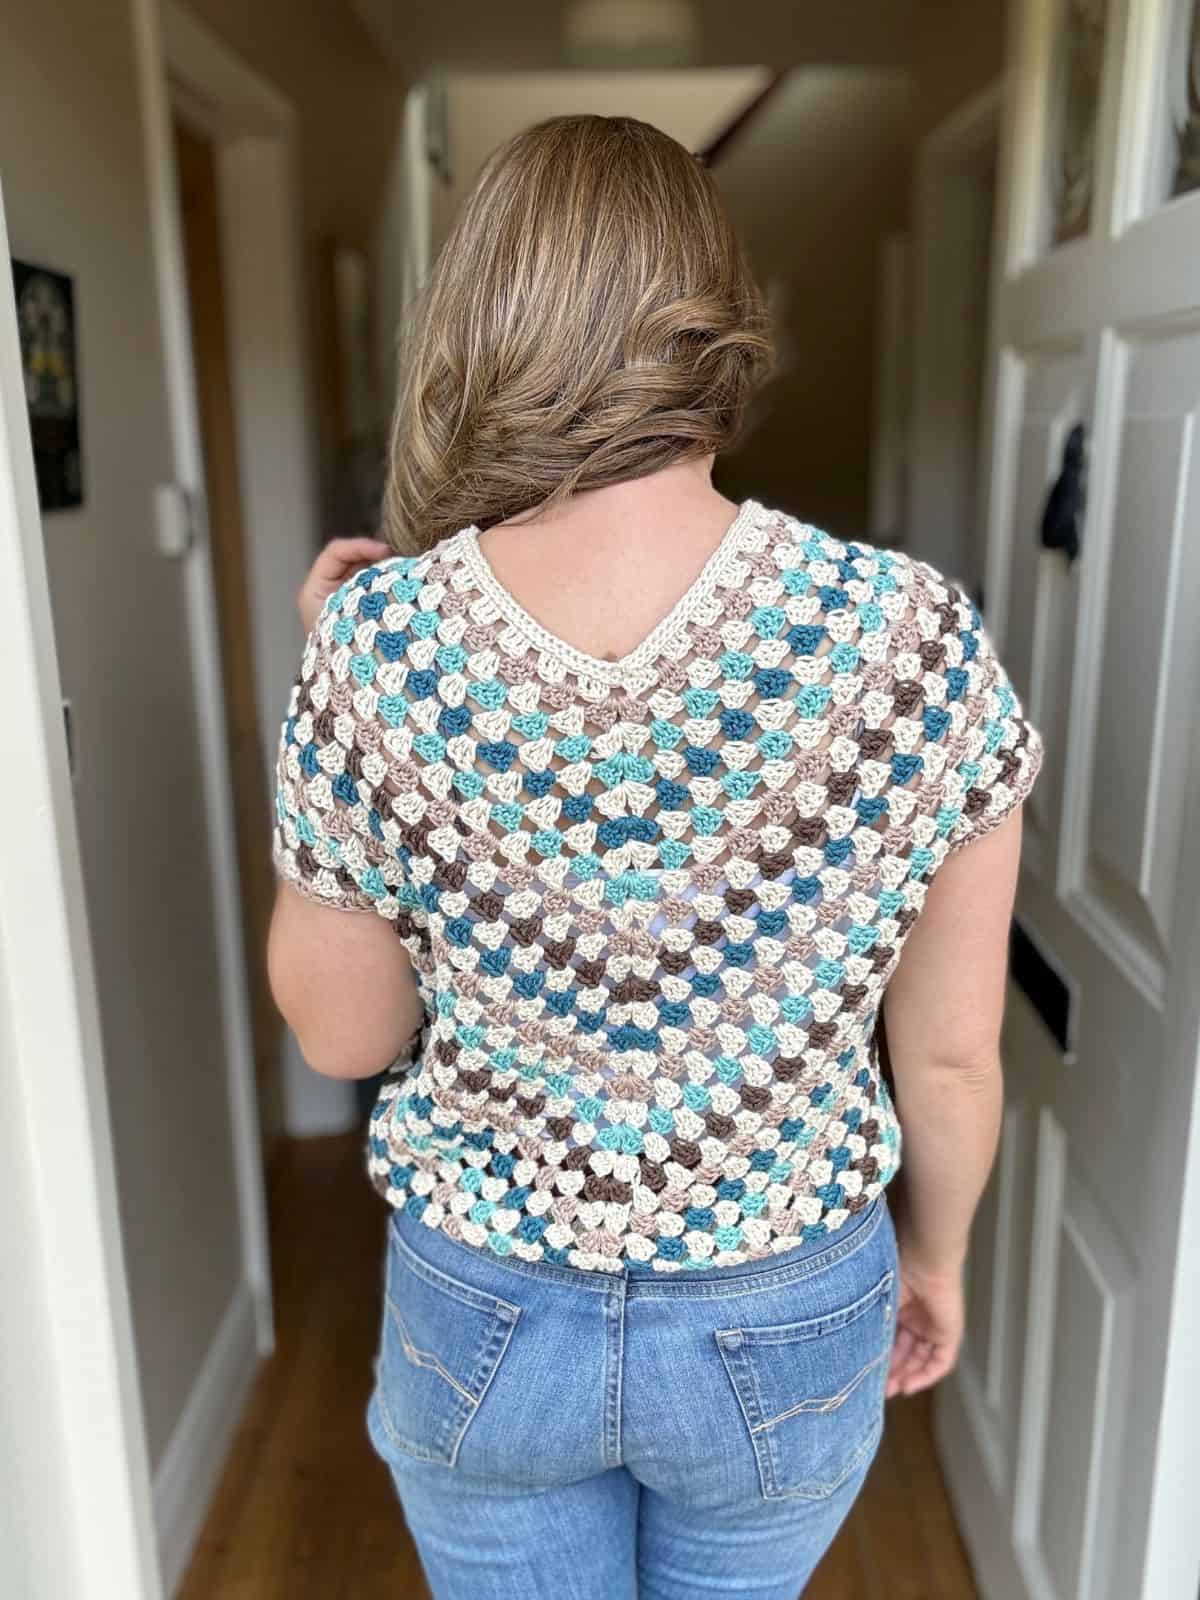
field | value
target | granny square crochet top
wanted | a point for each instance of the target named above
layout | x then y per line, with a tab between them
652	904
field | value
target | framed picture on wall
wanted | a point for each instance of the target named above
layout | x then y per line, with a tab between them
46	323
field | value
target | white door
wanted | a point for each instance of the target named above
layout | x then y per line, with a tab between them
1071	1434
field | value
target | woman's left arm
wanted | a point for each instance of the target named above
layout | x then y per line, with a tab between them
344	984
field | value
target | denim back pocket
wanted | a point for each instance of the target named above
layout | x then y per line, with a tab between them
442	1344
812	1393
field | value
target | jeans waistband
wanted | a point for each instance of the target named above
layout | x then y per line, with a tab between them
438	1249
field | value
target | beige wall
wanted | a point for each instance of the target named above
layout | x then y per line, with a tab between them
347	100
75	194
957	51
815	183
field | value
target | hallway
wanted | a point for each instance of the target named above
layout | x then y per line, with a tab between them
306	1511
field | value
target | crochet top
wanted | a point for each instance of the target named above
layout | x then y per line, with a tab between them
652	904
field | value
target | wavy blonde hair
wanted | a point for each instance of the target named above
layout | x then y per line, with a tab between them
591	319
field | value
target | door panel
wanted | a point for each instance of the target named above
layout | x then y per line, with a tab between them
1007	1366
1087	1329
1048	397
982	1274
1150	657
996	1287
1074	1377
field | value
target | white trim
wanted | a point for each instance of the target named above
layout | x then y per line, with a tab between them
1049	1188
1172	1556
941	525
204	640
195	1456
276	434
418	256
80	1475
403	240
892	397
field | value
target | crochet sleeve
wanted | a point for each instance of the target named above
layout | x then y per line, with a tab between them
336	836
998	751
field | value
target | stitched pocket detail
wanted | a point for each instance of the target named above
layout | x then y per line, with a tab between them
442	1344
811	1393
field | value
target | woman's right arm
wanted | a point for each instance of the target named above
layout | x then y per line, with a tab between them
943	1008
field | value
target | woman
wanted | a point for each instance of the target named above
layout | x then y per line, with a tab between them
656	807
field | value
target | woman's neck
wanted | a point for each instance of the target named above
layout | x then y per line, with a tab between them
602	570
682	495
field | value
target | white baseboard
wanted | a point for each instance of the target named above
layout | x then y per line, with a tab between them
196	1453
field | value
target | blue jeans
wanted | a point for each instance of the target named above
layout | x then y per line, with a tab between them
563	1435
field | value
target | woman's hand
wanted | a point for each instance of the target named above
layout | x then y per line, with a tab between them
339	560
929	1328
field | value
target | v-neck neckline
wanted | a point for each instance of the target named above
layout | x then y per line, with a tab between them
643	654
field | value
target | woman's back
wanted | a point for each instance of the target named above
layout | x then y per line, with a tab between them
652	903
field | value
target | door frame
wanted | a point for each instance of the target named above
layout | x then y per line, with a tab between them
891	433
187	71
85	1506
204	648
941	355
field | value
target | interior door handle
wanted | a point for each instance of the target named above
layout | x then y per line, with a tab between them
1062	519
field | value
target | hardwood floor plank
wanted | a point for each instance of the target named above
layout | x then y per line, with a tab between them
944	1559
840	1576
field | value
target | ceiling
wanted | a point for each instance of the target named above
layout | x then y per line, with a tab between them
429	36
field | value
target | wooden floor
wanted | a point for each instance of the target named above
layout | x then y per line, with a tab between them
306	1511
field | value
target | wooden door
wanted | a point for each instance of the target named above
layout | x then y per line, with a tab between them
198	194
1070	1428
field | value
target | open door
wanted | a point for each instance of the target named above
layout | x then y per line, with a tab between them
1069	1433
200	226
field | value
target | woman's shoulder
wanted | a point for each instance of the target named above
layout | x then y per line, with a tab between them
857	572
414	582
